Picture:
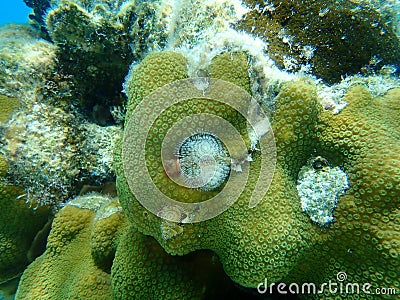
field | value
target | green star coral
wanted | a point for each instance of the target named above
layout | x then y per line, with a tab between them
276	239
231	67
81	244
88	235
19	225
155	71
142	270
228	233
9	105
200	149
363	241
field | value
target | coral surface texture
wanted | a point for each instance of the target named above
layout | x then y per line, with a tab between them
197	149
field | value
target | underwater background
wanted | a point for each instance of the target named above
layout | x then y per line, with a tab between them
199	149
13	11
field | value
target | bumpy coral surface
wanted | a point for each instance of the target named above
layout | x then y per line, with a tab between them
275	239
143	270
19	225
363	241
89	235
312	196
238	236
81	244
9	105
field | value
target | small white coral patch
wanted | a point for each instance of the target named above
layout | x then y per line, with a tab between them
319	187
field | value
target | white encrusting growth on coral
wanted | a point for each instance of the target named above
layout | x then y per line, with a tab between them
202	29
331	97
319	186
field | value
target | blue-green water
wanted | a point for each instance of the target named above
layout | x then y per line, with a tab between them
14	11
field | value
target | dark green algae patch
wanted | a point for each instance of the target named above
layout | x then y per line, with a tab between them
345	38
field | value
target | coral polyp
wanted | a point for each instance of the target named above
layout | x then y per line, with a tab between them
203	161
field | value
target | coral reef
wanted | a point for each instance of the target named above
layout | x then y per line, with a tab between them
333	38
96	42
143	270
51	155
19	225
80	245
41	145
18	243
137	87
234	144
24	60
231	67
257	243
388	9
363	241
86	235
227	234
36	17
9	106
50	147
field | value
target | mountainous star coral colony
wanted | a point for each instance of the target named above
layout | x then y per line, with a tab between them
200	149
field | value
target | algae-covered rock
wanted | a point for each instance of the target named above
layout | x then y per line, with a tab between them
96	42
24	59
334	38
52	153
